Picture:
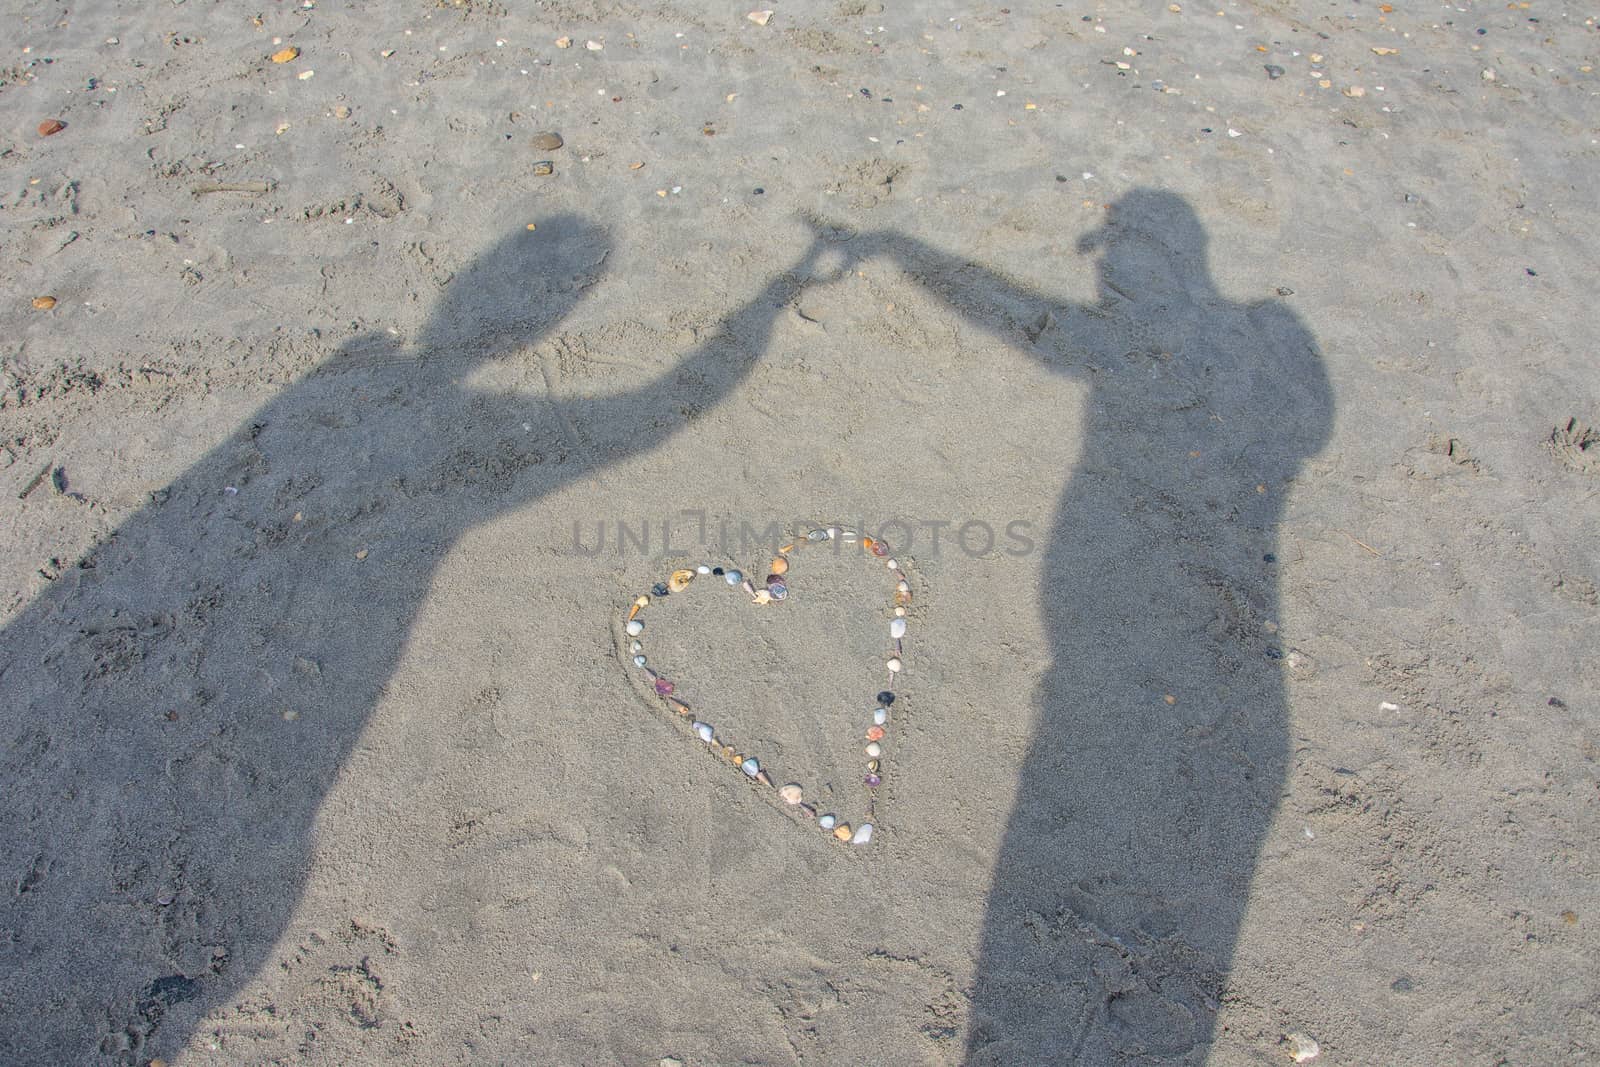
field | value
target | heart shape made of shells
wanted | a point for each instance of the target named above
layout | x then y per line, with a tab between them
774	591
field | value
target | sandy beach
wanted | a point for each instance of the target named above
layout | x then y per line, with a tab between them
1159	442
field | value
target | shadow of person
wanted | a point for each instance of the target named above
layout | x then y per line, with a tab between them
1161	743
178	704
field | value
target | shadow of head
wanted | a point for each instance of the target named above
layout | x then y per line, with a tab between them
514	291
1149	232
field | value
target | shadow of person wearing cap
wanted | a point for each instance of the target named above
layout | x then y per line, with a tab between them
179	703
1161	743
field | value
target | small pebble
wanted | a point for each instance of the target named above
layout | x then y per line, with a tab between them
1274	71
827	821
862	835
874	749
751	767
659	589
897	628
894	665
791	793
880	716
635	627
703	731
886	698
548	141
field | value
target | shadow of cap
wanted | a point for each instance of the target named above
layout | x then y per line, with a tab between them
517	288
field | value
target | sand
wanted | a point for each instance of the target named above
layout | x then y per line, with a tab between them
1248	696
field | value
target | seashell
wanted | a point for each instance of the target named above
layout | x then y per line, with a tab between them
733	577
778	591
874	765
636	647
679	581
664	687
862	835
286	55
641	601
660	589
702	569
875	733
901	612
548	141
763	777
874	749
779	566
751	767
44	303
747	587
902	599
897	628
817	535
827	821
868	543
891	564
639	661
1305	1047
678	706
881	549
872	780
763	597
808	811
903	587
842	831
703	731
886	698
880	716
791	793
894	665
635	627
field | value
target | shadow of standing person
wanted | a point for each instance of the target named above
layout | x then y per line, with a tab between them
179	704
1161	743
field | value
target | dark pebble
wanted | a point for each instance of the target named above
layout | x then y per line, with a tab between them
659	589
886	698
716	570
955	107
1275	72
1274	652
759	191
1269	558
1557	702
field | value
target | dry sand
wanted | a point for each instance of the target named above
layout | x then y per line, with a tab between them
320	740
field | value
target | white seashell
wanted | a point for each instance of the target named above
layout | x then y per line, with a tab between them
1305	1047
897	628
635	627
790	793
874	750
880	716
703	731
894	665
636	648
827	821
751	766
891	564
703	569
862	835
